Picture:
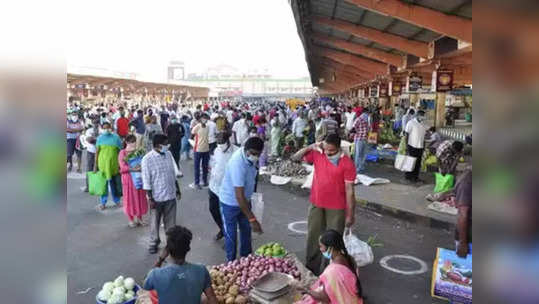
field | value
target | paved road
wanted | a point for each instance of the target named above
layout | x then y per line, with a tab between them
100	246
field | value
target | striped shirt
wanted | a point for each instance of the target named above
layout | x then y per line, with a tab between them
158	175
361	125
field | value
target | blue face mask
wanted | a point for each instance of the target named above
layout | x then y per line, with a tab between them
164	149
327	254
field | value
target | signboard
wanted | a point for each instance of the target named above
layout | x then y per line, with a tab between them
452	277
415	82
396	88
444	80
384	90
373	91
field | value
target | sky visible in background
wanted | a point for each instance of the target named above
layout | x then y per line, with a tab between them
143	37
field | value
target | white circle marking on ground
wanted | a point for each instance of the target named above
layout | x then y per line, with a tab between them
292	225
422	269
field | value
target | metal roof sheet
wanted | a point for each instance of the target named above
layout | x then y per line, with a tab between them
347	12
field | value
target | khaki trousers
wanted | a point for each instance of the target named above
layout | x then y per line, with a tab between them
318	221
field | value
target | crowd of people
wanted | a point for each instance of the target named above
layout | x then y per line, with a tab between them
228	142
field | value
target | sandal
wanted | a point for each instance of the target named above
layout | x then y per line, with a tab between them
132	225
101	207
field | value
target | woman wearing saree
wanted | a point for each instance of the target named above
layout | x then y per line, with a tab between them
339	282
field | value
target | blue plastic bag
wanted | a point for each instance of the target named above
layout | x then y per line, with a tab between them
136	176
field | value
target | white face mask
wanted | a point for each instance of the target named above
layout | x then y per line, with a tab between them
253	158
74	118
222	147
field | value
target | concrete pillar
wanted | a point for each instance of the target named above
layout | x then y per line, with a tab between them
439	120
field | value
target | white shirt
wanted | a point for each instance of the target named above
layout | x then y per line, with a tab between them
350	120
212	126
89	133
218	164
416	133
241	130
298	126
229	116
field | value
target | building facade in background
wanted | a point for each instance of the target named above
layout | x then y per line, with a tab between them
227	81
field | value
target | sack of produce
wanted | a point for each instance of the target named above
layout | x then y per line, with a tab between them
97	183
402	146
359	250
443	182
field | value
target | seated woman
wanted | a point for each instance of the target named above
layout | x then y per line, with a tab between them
339	282
180	281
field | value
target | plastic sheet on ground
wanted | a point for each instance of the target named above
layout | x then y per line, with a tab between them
443	208
264	171
367	180
280	180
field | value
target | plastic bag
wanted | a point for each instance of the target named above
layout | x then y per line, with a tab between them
359	250
257	206
443	182
405	163
97	183
402	146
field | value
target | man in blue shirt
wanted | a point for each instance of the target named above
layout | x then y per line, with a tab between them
235	194
180	281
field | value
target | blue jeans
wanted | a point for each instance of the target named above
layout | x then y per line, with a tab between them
232	219
360	153
110	184
205	158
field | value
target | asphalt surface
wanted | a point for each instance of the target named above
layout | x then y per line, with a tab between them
100	245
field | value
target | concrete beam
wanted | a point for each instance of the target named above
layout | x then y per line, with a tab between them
353	60
449	25
359	49
413	47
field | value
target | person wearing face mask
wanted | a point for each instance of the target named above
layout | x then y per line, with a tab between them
414	134
201	148
108	146
152	128
339	283
135	203
240	130
332	196
218	162
162	189
90	137
175	133
74	129
235	193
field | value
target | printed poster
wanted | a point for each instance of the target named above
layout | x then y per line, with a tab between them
452	277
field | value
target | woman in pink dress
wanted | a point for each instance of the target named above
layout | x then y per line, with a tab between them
339	282
135	203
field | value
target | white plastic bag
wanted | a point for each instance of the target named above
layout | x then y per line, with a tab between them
405	163
359	250
257	206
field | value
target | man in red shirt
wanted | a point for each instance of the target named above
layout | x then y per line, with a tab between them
332	194
122	124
